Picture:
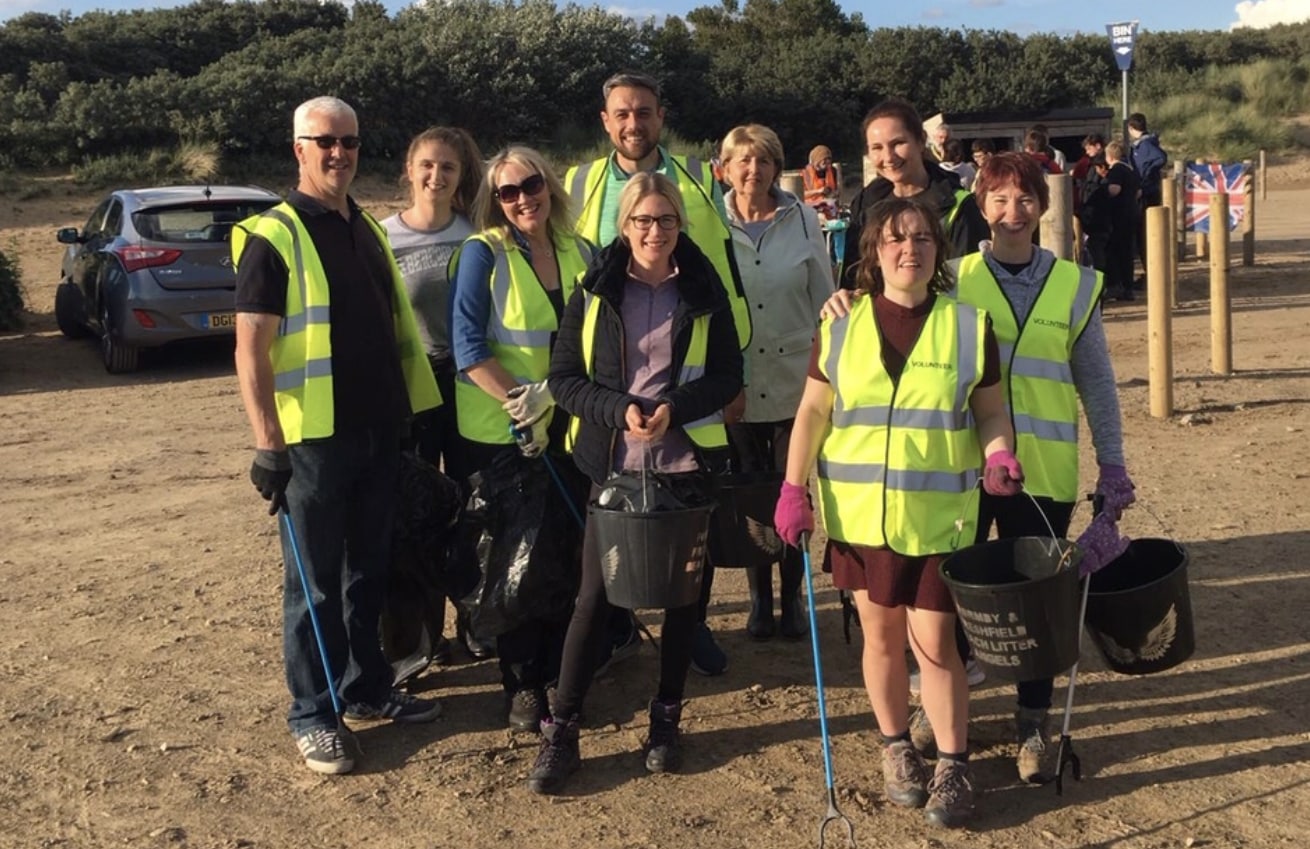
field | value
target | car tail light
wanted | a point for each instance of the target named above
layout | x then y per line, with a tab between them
135	257
144	319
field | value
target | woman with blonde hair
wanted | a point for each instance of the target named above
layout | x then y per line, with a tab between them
785	270
647	387
512	280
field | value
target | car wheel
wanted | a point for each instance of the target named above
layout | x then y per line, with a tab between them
118	358
70	315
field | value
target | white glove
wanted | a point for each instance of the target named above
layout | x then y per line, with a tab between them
528	402
533	439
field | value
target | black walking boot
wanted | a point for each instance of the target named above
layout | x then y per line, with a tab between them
663	748
795	620
759	624
558	757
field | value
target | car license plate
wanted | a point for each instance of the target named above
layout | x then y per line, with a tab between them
219	320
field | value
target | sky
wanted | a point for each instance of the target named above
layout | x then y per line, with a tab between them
1021	16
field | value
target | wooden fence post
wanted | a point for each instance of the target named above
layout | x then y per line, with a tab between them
1221	330
1158	314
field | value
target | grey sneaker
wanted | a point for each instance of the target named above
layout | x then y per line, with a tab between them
1035	751
324	751
950	795
904	775
921	734
397	706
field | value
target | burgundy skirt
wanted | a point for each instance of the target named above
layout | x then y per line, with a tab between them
891	579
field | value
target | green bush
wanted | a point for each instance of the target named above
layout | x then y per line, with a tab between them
11	293
188	163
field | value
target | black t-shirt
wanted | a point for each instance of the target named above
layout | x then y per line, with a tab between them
1123	207
367	383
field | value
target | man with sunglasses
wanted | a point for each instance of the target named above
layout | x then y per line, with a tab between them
633	118
331	369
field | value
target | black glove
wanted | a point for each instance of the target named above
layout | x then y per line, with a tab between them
270	473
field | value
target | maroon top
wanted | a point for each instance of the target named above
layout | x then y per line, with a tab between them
893	579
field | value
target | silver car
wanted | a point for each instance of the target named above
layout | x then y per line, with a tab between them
153	266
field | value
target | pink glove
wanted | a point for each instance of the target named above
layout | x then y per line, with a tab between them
1003	475
1100	543
1115	487
793	516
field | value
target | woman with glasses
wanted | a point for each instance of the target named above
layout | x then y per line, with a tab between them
512	280
787	276
647	386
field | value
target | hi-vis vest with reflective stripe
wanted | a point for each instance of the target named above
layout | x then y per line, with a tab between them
1035	367
302	350
897	466
960	195
705	226
708	432
519	328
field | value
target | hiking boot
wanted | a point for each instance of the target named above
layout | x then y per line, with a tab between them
950	795
558	757
663	748
973	672
706	656
759	623
921	734
397	706
795	624
527	708
1035	751
324	751
904	775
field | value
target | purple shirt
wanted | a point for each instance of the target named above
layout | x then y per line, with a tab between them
647	314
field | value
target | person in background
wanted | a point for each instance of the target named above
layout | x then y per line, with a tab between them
889	410
646	360
443	170
1053	355
331	370
981	150
633	117
1096	217
822	182
1034	144
1148	161
1054	153
1084	174
511	282
937	146
953	160
779	247
1121	188
893	134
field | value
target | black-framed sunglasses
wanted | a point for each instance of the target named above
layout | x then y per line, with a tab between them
329	142
510	193
644	222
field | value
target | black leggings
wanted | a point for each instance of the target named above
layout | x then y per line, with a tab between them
1017	516
588	636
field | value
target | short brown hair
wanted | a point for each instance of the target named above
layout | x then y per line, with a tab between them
1010	166
630	79
887	214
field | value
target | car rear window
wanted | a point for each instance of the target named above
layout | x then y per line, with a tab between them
211	222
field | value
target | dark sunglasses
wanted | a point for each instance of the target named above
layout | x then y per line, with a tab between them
329	142
510	193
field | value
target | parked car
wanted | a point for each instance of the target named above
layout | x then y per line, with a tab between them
153	266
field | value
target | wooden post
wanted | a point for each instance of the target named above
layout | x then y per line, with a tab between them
1158	316
1179	234
1264	177
1248	219
1221	331
1169	190
1200	237
1056	233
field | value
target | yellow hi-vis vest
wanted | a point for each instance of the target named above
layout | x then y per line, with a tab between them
708	432
519	328
302	350
586	184
1035	368
900	459
960	196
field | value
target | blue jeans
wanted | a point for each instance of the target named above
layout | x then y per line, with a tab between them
341	499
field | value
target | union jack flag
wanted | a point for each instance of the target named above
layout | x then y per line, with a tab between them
1203	180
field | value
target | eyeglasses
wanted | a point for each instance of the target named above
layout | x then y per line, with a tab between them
644	222
510	193
329	142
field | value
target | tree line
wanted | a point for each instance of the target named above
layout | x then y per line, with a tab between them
228	74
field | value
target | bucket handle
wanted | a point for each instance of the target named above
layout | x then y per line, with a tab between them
1065	553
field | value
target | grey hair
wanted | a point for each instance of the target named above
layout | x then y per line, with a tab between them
333	107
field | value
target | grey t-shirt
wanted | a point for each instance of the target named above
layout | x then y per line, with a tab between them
423	257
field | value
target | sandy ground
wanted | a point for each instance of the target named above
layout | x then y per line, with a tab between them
143	700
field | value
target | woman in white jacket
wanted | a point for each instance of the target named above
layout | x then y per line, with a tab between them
787	276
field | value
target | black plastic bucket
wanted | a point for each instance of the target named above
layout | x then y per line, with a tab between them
1018	601
654	559
1139	611
743	521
